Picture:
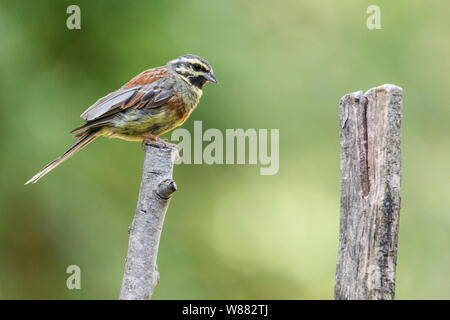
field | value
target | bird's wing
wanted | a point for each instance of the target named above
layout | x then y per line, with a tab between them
146	89
112	101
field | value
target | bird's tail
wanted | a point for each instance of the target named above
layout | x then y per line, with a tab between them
83	141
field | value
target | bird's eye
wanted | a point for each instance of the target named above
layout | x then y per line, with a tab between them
197	67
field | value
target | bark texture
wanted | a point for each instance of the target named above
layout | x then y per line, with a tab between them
370	137
141	275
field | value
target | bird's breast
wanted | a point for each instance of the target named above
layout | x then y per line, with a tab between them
189	94
134	124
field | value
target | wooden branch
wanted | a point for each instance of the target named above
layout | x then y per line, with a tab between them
141	275
370	132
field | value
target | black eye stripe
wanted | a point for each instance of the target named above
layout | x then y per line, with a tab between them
199	67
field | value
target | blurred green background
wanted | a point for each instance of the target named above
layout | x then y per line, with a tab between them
229	232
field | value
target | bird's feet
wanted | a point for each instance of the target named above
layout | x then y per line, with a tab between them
153	138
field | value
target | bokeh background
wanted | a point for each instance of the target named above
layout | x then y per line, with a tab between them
229	232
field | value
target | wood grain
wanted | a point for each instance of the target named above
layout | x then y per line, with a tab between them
141	275
370	137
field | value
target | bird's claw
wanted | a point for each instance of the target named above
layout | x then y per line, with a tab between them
167	143
158	140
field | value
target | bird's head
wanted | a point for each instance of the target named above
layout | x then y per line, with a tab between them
193	69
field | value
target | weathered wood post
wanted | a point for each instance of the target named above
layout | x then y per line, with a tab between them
141	275
370	135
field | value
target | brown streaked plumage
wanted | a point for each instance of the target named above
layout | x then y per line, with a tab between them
152	103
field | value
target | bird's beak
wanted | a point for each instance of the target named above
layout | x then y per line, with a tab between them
211	77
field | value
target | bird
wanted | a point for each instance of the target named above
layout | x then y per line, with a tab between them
152	103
